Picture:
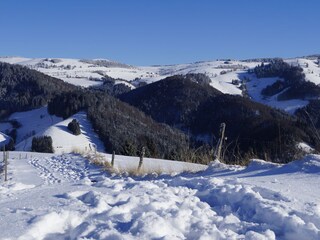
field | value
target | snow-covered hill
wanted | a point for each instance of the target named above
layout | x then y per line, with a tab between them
65	197
38	122
226	76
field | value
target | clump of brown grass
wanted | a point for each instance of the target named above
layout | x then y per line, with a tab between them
77	150
98	160
134	171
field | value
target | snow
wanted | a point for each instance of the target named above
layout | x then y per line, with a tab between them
305	147
52	196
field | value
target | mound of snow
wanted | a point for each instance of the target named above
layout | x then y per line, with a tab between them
217	166
257	164
305	147
309	164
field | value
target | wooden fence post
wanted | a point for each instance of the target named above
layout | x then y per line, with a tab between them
112	160
6	169
217	154
5	159
141	158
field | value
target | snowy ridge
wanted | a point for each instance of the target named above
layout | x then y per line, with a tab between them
91	72
222	73
59	197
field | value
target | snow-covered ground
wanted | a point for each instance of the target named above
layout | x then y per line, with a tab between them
65	197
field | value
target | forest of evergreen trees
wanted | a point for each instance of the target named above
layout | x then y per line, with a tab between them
121	127
23	89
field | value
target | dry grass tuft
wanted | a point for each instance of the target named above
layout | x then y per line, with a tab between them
97	159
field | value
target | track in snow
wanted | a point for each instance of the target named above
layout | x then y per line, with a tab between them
60	168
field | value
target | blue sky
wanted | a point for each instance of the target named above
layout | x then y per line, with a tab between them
145	32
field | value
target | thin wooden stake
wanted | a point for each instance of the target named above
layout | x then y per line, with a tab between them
217	154
141	158
112	160
5	165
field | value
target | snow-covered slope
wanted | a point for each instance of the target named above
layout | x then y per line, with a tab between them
39	123
4	139
255	86
64	141
32	122
65	197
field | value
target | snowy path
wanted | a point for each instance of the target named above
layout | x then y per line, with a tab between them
64	197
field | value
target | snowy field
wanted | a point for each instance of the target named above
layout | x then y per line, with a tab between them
65	197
